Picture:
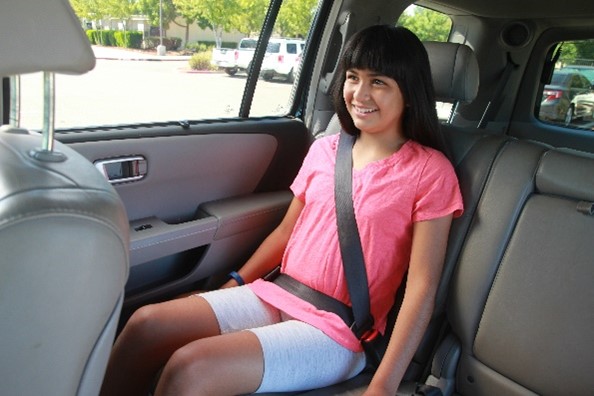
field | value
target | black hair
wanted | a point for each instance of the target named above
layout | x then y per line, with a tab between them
396	53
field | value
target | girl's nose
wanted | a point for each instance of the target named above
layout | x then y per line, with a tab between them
361	92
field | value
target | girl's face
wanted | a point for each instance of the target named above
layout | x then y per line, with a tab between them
374	101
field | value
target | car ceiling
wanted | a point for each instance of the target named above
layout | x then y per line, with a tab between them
513	8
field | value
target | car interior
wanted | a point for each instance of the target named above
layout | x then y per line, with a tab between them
97	221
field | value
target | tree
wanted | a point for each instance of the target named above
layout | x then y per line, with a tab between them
577	52
120	9
216	14
91	10
427	24
584	49
150	9
294	17
251	17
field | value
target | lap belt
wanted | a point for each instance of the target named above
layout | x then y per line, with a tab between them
316	298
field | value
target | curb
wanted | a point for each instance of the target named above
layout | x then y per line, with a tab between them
150	59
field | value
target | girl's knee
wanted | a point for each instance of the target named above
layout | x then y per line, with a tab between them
187	371
143	322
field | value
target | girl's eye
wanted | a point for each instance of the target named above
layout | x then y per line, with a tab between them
378	82
351	76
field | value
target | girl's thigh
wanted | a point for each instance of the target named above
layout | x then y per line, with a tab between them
238	308
297	356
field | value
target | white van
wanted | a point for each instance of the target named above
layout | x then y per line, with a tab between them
282	58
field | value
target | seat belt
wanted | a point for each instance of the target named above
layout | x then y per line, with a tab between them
494	103
348	236
358	317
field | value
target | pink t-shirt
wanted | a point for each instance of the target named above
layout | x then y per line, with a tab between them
414	184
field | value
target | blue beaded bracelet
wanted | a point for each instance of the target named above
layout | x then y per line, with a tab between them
237	277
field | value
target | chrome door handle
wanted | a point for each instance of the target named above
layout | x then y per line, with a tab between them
122	170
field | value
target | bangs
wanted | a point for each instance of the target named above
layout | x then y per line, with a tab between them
380	51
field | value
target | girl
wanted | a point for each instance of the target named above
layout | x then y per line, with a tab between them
405	195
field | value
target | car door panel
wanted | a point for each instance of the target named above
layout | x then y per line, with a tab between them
211	193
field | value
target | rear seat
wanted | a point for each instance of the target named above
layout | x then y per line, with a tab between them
521	304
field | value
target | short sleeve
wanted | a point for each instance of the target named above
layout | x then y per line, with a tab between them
317	154
438	191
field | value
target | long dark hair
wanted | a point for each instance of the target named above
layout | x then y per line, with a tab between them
396	53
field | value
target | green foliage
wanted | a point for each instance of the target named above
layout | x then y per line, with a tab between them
246	16
128	39
119	9
102	37
216	14
115	38
91	36
251	17
150	8
201	61
577	53
427	24
200	46
585	49
89	9
294	18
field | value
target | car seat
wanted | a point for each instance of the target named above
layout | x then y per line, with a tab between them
63	228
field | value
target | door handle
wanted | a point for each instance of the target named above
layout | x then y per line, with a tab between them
122	170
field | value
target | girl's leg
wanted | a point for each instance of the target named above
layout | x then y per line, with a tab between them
149	339
230	364
286	356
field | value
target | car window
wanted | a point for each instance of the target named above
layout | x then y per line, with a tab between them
248	44
279	74
568	98
194	68
429	25
558	79
273	48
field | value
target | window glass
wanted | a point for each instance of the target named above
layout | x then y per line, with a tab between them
280	67
568	99
429	25
194	68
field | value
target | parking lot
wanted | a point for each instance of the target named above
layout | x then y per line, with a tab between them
121	91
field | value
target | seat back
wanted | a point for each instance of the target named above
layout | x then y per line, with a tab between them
522	298
63	229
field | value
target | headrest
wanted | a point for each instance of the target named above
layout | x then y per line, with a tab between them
567	174
455	71
42	36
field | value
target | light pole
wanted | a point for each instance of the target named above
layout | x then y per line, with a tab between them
161	48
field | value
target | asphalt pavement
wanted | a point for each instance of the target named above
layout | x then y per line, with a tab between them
116	53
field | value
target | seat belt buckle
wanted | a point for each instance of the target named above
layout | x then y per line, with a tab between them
369	335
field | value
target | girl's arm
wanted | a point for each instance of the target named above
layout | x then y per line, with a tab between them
426	262
270	252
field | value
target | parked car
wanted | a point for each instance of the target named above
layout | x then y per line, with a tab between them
233	60
559	94
581	108
587	71
282	59
187	195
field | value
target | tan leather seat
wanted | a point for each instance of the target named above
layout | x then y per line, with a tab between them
63	230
